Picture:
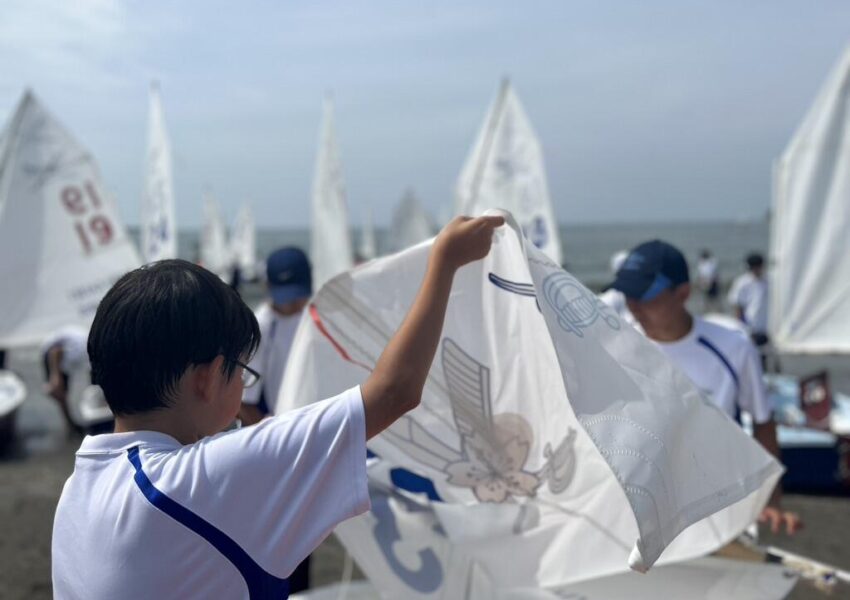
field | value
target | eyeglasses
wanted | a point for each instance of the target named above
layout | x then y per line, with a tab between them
249	376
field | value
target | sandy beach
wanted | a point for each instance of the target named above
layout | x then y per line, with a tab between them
34	469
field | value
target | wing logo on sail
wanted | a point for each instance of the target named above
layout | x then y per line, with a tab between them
576	307
495	448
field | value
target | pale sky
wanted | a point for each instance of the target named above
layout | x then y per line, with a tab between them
652	110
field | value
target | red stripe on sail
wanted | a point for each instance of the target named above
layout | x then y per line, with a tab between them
314	314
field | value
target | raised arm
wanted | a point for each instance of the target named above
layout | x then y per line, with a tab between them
395	385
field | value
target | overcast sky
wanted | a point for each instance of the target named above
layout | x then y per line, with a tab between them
646	110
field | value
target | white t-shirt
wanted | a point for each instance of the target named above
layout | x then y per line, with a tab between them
707	270
143	516
725	366
750	293
277	332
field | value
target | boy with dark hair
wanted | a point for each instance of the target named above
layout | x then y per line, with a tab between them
164	507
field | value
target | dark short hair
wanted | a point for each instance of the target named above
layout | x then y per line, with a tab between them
755	260
158	321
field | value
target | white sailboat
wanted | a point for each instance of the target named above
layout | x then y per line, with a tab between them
809	277
505	169
411	224
368	245
62	242
809	241
158	221
243	243
214	253
553	445
330	238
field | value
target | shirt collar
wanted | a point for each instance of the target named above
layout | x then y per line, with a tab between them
109	443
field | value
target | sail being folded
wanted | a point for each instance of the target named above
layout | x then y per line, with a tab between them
809	246
158	222
330	238
553	443
62	242
505	169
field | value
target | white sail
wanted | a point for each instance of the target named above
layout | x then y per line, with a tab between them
243	242
810	245
62	242
411	224
330	239
553	444
214	254
505	169
368	246
158	221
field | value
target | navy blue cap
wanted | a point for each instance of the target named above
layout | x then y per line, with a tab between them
289	276
649	269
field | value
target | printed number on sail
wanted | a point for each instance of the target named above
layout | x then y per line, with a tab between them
92	227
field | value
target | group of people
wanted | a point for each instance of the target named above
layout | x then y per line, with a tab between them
165	507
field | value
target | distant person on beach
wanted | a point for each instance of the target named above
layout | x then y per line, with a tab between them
708	280
64	355
290	285
721	362
748	299
168	506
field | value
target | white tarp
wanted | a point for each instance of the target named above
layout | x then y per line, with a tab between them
62	242
555	442
330	239
214	254
411	224
505	169
158	222
810	245
243	242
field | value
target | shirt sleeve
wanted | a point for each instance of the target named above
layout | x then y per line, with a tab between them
280	487
752	395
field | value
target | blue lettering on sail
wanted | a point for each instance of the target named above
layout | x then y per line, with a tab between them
429	576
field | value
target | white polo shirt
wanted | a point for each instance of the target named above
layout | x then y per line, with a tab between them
277	333
143	516
750	293
725	366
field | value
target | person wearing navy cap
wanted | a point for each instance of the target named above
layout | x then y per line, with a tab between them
721	362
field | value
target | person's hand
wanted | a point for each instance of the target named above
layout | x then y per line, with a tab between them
464	240
776	518
55	388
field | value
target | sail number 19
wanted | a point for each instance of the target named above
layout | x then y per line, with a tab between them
84	204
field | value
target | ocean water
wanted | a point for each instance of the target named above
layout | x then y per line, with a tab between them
587	249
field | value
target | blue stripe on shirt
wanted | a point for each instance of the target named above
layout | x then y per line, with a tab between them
261	584
714	350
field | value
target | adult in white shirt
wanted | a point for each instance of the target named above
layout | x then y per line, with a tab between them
290	285
748	298
615	299
720	362
170	506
